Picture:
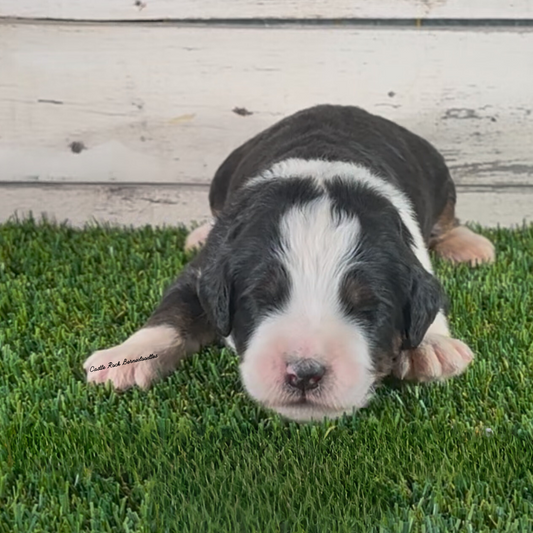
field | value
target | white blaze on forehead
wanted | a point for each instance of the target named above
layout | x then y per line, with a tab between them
322	171
316	249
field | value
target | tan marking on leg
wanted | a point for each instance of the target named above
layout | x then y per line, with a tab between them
445	223
462	245
457	243
197	237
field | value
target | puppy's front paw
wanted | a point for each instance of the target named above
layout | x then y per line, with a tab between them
108	365
436	359
140	360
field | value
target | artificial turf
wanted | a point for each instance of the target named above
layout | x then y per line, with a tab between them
194	454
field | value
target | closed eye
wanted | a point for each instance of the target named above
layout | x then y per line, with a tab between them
267	287
360	300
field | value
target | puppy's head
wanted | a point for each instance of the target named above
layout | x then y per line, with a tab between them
315	295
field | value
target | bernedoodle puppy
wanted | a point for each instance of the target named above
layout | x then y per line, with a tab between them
316	269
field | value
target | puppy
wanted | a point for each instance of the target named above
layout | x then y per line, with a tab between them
316	270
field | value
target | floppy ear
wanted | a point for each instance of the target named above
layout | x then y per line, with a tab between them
214	289
425	299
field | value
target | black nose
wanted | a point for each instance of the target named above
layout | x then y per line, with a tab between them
305	374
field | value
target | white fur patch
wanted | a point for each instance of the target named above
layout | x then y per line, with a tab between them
161	341
327	170
440	325
316	251
317	248
230	343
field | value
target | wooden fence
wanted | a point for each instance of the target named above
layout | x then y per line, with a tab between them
122	110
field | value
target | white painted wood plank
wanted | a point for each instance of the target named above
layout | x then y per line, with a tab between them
79	204
163	205
155	103
279	9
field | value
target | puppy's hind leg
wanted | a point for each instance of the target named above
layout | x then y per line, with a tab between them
457	243
177	328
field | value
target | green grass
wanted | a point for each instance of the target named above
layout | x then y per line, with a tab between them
194	454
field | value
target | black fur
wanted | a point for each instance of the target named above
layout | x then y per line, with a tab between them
425	299
350	134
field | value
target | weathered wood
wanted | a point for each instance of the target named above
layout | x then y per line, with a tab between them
257	9
157	104
182	205
116	204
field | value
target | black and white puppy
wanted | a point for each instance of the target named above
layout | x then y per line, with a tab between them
316	270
